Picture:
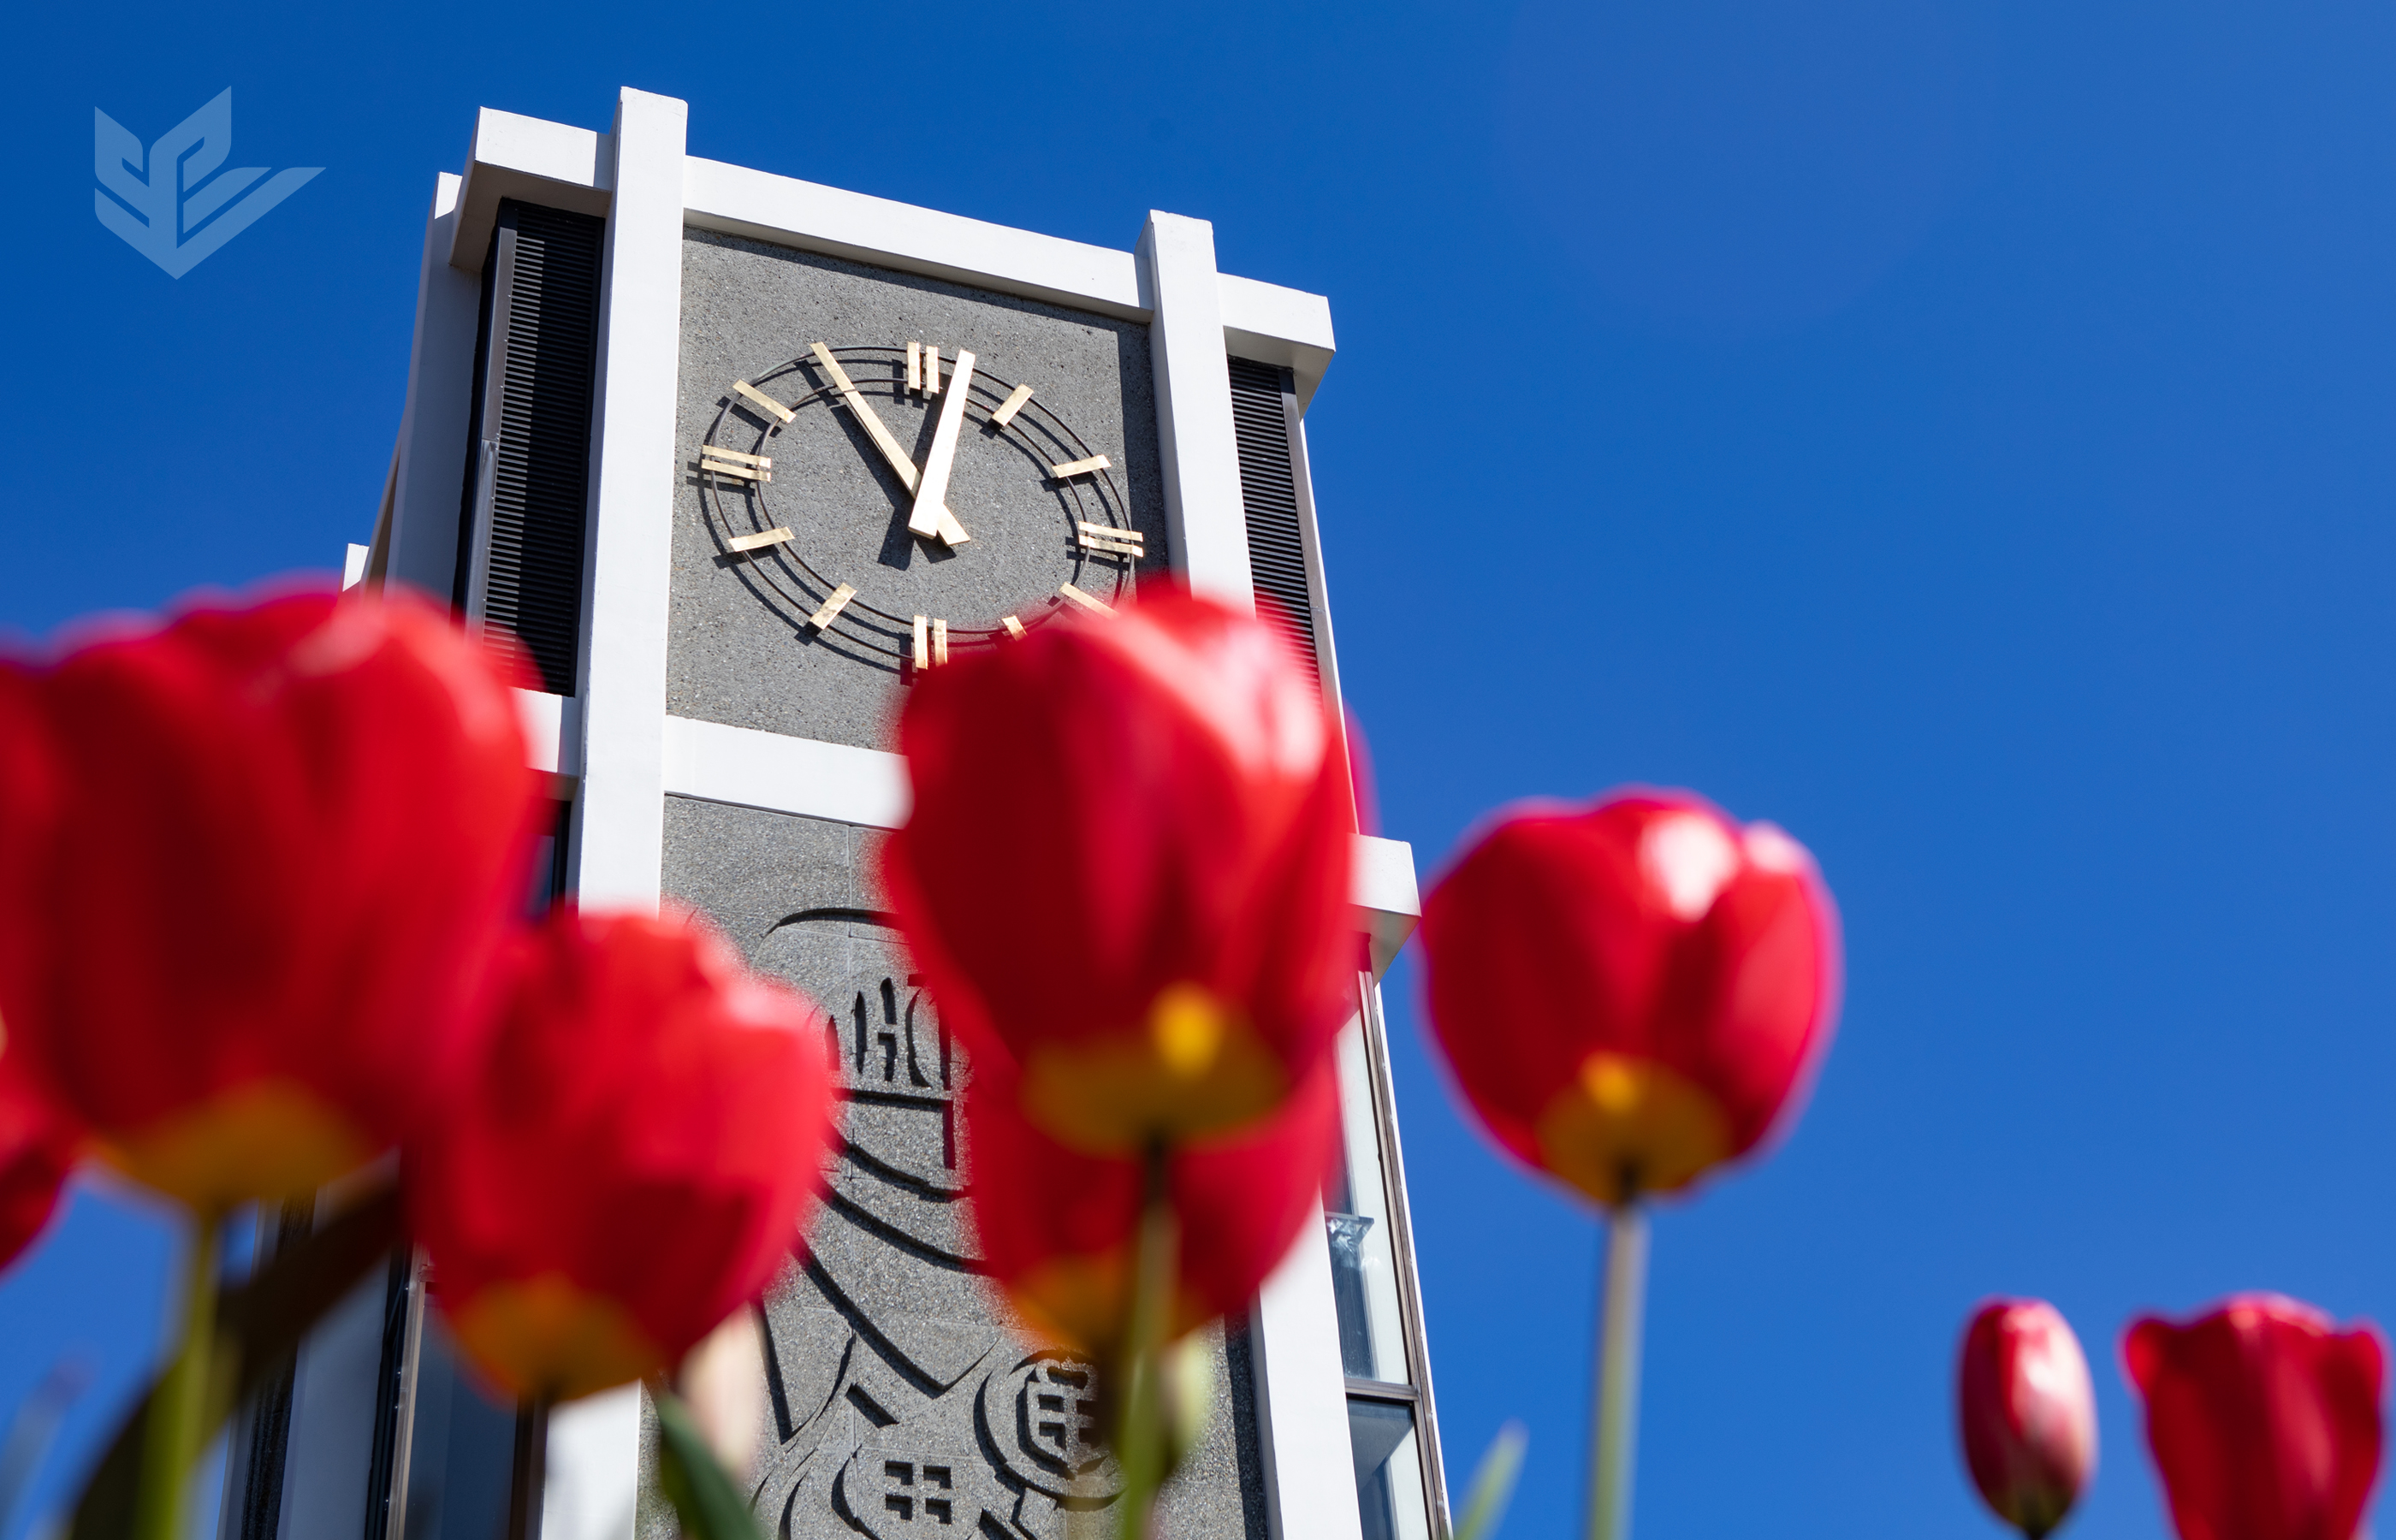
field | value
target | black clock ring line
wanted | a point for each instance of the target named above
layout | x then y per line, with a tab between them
1111	505
901	628
1055	428
1052	427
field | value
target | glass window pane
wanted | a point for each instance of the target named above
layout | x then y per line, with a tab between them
1389	1471
1364	1265
462	1459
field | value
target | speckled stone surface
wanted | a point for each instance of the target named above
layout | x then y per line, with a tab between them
905	1399
741	652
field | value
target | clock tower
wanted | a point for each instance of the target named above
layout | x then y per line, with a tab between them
735	458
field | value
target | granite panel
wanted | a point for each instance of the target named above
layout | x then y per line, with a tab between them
905	1397
740	653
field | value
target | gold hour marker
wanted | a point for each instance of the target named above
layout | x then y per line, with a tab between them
940	642
931	369
831	606
915	367
754	542
755	472
1075	468
1090	601
923	644
951	533
1107	541
1014	627
764	403
759	460
1012	404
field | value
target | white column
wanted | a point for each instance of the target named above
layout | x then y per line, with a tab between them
620	829
432	461
1205	520
1302	1398
595	1444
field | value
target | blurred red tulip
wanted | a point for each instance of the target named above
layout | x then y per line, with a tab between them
2263	1417
647	1135
249	895
1058	1227
1632	993
2026	1412
37	1152
1127	868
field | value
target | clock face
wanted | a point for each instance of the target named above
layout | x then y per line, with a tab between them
963	514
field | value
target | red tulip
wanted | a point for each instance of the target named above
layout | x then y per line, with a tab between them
1127	868
1632	993
37	1154
635	1161
2263	1417
1058	1227
2026	1412
251	878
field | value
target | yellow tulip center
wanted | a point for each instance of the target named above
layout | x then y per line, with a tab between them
1626	1125
548	1336
264	1140
1194	1067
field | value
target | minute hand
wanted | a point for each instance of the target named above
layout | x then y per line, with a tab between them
947	528
932	492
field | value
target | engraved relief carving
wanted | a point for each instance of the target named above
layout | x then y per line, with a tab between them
900	1406
901	1402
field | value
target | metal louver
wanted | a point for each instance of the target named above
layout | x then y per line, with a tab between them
1262	399
528	457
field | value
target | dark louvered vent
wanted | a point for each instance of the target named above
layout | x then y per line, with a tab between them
1261	400
528	461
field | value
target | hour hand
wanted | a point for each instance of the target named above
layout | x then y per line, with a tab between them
900	465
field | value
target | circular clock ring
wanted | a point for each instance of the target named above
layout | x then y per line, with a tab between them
735	490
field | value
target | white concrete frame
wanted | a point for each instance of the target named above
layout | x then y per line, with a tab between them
629	754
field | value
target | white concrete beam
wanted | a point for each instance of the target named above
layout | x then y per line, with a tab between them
745	767
619	832
1302	1401
885	232
430	471
1205	520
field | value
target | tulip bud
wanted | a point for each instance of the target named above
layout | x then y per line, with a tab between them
251	881
635	1161
37	1154
2263	1417
1632	994
1126	868
1058	1227
2027	1412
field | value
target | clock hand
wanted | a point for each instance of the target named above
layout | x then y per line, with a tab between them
933	490
947	528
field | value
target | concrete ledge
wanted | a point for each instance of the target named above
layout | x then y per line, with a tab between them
1387	901
1272	325
533	159
552	730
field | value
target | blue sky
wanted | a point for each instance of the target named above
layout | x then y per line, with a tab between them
1958	432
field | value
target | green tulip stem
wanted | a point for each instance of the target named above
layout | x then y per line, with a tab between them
1615	1414
1139	1443
170	1442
